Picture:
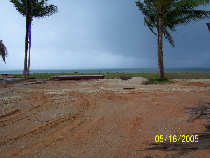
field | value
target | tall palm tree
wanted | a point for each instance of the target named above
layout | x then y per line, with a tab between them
32	9
3	50
162	16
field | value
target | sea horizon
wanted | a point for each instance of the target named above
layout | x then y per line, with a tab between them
108	70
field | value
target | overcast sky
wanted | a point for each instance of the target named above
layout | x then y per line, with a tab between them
87	34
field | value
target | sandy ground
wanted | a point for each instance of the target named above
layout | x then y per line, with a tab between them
108	118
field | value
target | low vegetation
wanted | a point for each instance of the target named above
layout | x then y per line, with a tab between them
152	76
158	81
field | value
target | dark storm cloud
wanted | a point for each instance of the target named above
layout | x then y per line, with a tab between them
98	34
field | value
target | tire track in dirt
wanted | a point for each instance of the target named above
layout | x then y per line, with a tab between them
37	130
55	137
9	113
81	105
18	116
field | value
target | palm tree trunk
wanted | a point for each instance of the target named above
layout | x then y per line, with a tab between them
26	40
26	51
29	52
160	47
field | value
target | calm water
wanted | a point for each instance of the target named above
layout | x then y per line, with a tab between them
130	70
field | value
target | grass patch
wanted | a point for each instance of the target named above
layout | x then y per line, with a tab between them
106	75
153	76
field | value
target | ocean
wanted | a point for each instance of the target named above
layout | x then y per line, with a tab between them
114	70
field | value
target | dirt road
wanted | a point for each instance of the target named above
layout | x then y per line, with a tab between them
108	118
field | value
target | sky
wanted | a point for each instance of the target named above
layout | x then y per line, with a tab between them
94	34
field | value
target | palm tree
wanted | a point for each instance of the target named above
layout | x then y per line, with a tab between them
32	9
162	16
3	51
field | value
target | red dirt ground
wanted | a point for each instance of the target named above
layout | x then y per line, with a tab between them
97	119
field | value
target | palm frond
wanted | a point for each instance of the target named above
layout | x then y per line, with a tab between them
150	15
3	51
168	37
208	25
20	6
150	25
188	16
37	8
